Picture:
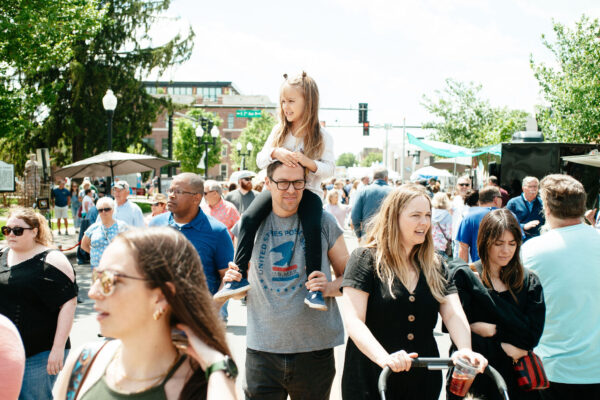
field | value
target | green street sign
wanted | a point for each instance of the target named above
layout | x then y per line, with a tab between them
248	113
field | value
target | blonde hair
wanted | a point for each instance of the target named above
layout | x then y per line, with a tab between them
314	145
440	200
331	194
34	220
384	235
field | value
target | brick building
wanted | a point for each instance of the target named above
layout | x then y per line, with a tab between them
220	98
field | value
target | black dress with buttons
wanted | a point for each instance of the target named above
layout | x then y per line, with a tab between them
404	323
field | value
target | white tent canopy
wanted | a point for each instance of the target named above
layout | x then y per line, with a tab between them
429	172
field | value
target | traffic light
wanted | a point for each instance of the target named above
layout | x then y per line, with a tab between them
362	112
366	128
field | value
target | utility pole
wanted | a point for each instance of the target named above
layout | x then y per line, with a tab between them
403	149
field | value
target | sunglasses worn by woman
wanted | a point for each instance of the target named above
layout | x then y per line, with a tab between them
147	283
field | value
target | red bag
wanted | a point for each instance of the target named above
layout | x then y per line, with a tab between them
530	373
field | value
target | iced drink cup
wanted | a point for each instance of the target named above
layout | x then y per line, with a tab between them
462	377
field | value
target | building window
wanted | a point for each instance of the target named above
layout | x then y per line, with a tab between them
224	150
150	142
165	147
223	172
230	121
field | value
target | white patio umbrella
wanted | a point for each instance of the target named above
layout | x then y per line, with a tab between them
111	163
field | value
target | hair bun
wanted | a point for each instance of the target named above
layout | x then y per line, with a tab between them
284	76
303	74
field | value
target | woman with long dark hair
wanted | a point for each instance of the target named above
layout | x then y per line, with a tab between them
504	303
149	282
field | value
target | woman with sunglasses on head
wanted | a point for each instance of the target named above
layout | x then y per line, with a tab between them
149	282
503	301
98	236
38	294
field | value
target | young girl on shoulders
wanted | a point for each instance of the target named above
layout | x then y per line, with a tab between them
298	139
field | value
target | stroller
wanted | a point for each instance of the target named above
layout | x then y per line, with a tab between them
437	364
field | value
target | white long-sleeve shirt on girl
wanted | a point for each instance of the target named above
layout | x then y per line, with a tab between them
325	165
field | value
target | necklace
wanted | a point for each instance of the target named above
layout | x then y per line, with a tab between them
154	380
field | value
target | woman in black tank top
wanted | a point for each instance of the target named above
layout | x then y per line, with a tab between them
38	294
148	282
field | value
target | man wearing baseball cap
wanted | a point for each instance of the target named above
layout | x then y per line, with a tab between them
158	206
126	211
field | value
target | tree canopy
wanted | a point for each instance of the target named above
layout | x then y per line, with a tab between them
465	119
185	143
572	86
256	133
53	94
371	159
346	160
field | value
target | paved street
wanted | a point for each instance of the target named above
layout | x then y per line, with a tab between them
85	327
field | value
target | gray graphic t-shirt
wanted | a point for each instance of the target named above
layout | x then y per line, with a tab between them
278	319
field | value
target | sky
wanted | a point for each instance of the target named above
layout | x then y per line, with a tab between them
387	53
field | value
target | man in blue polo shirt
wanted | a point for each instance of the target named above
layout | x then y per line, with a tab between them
489	199
209	236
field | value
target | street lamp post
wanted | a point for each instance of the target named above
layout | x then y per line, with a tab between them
211	140
249	148
109	102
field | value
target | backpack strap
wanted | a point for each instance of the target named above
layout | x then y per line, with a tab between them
82	367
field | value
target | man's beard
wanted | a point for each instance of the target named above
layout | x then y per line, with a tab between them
247	185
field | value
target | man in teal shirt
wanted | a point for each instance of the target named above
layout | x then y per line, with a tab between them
567	261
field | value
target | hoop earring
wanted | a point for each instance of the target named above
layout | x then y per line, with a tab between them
157	314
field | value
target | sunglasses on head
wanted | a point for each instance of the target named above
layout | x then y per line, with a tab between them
17	230
104	209
108	279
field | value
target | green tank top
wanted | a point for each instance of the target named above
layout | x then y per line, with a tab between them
101	391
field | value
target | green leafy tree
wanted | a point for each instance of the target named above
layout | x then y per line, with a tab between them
38	37
571	87
465	119
371	159
116	55
256	133
346	160
185	143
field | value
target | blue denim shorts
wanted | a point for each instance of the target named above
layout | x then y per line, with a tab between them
37	383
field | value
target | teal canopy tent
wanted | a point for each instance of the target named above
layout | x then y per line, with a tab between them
451	151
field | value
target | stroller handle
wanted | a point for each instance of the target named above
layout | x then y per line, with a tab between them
436	364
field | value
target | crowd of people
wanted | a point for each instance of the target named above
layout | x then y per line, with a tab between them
506	276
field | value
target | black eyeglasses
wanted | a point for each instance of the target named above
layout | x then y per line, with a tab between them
17	230
284	185
206	193
104	209
108	279
179	192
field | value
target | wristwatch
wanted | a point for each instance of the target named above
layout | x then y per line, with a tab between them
226	364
